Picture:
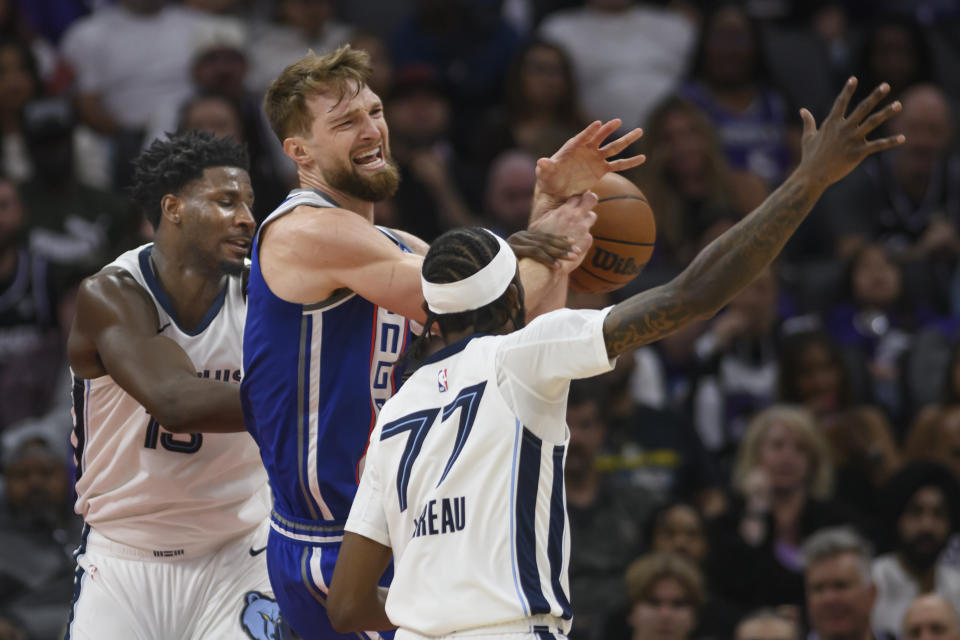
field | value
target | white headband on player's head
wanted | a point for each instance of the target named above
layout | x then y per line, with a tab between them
475	291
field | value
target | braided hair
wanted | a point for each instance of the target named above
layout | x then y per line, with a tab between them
454	256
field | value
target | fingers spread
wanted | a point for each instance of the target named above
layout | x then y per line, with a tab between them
869	103
627	163
604	132
621	143
843	99
885	143
880	117
809	124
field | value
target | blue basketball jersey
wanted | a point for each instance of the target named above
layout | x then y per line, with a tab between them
315	377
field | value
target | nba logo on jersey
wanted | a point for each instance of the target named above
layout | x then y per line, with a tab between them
442	379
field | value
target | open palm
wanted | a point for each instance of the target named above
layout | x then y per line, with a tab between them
581	161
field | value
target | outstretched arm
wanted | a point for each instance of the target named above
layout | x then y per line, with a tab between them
115	333
734	259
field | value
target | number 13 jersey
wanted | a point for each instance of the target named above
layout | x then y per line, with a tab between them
145	487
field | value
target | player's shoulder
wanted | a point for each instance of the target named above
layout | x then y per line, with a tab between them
110	291
320	222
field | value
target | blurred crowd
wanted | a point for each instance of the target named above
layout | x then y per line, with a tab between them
789	467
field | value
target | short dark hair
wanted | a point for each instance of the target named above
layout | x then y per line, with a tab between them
167	166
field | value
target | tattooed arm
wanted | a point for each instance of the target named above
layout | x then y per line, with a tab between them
734	259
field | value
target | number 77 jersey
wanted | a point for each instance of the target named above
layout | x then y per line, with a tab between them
464	480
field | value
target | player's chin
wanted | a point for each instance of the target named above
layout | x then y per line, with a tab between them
232	266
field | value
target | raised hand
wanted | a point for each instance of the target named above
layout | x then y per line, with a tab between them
581	161
840	144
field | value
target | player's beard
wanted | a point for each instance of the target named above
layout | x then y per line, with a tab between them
373	187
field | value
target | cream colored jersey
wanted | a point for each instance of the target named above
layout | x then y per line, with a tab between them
142	486
464	480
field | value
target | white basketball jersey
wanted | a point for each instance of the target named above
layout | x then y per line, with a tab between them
464	479
145	487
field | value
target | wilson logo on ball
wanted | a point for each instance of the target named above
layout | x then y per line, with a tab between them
610	261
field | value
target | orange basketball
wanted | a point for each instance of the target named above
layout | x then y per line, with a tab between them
623	237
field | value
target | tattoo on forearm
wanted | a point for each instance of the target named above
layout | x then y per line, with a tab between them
722	269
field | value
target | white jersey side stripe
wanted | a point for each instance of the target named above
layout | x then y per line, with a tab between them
513	519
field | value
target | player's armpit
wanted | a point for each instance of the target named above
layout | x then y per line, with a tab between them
309	254
115	333
355	601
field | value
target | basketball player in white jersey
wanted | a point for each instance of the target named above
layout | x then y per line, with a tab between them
171	489
463	483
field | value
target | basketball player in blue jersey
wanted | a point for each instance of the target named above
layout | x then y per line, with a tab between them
172	491
463	485
331	299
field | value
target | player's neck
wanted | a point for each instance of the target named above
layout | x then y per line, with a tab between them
191	288
363	208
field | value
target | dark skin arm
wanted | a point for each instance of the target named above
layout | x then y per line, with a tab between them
734	259
355	601
115	333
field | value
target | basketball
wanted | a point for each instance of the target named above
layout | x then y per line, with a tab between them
623	237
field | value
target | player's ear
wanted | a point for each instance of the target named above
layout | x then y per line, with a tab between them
171	208
296	148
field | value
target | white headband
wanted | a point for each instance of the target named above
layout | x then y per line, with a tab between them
476	291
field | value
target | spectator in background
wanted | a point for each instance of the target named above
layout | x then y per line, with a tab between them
876	319
298	26
895	50
70	222
737	373
218	71
812	372
839	589
19	83
931	617
935	433
510	185
131	59
466	43
38	532
381	77
666	592
606	520
433	179
922	505
731	83
27	299
628	56
540	109
783	480
909	200
678	527
767	624
688	181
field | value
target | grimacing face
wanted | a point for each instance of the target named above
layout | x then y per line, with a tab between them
350	144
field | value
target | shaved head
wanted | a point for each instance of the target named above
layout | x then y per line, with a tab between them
931	617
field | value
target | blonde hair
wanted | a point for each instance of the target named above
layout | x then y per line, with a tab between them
801	423
285	102
645	572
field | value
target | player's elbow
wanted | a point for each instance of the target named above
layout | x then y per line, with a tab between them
170	411
343	613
